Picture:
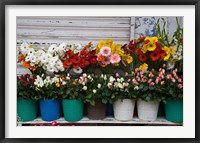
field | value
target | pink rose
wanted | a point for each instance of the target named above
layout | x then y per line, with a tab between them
117	75
180	86
179	80
162	82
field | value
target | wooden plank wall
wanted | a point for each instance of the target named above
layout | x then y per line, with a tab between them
55	30
48	30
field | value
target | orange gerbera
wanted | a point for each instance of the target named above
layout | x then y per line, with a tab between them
67	63
101	58
27	65
21	58
155	55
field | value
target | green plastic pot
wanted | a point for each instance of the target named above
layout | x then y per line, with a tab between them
174	110
26	109
72	109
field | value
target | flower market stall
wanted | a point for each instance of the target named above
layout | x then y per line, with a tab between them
111	80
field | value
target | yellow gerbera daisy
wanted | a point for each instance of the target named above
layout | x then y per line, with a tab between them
143	67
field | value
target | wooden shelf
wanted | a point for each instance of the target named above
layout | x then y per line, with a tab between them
107	121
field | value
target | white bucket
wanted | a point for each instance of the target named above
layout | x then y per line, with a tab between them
123	109
147	110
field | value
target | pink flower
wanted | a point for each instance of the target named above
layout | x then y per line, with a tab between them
109	85
180	85
117	75
129	80
133	72
115	58
152	84
116	84
126	84
105	51
126	74
168	76
162	82
83	80
179	80
173	80
151	74
126	89
149	81
106	60
164	65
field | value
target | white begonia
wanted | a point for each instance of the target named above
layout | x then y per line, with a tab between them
102	76
53	60
84	87
118	80
111	79
94	90
84	75
170	65
136	88
99	85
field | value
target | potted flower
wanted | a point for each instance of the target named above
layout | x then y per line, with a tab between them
174	97
123	100
26	98
95	95
150	86
72	99
48	91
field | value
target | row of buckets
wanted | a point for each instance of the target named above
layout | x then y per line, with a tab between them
74	110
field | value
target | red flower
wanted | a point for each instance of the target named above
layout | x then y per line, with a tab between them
141	38
75	66
70	53
162	54
181	40
155	55
143	57
67	63
75	59
93	60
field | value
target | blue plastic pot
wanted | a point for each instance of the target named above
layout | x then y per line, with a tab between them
50	109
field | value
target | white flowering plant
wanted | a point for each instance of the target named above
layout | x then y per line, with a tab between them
94	88
47	87
120	87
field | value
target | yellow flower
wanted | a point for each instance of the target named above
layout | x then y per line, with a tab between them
167	51
127	58
30	46
171	49
151	39
108	43
144	48
143	67
58	84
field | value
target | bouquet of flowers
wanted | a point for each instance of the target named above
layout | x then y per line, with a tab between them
109	53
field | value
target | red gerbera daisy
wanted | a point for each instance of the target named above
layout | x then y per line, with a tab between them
143	57
75	66
70	53
155	55
67	63
162	54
